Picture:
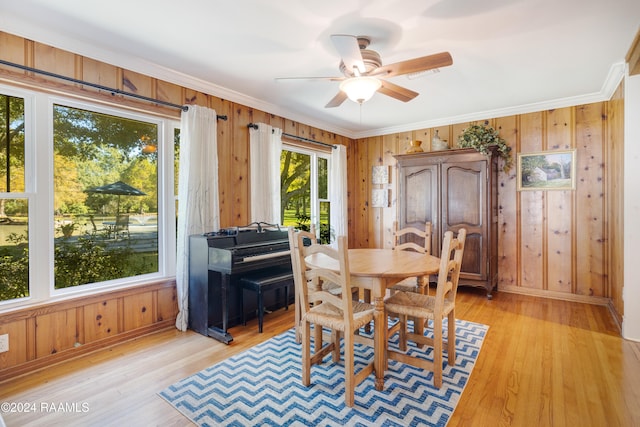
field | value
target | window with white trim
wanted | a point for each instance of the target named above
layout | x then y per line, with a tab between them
87	197
14	201
305	189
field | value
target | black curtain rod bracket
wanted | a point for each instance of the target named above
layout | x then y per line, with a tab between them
111	90
300	138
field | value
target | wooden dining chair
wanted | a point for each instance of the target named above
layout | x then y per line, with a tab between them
310	238
418	306
121	226
322	308
405	240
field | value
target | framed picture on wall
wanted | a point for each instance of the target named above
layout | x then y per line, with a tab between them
379	198
380	175
547	170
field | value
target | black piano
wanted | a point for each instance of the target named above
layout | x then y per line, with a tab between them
216	262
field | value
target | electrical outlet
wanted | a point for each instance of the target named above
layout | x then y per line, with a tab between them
4	343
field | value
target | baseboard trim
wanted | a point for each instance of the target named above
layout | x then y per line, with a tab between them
615	315
555	295
63	356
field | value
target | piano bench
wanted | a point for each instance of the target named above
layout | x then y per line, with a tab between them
260	283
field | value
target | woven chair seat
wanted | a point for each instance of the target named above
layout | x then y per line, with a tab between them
415	305
332	317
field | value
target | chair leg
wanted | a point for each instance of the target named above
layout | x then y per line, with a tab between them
335	339
451	338
306	353
317	338
437	352
402	344
349	383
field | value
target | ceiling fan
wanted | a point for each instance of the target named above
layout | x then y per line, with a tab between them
364	73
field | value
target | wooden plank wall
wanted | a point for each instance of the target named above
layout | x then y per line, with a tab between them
49	333
551	243
614	201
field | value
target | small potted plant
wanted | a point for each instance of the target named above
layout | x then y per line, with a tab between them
481	137
67	228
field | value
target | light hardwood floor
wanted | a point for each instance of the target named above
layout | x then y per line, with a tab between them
543	363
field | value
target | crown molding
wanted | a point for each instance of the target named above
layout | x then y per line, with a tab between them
614	77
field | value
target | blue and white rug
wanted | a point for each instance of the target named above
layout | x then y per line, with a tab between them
262	387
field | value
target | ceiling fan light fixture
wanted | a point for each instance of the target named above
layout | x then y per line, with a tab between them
360	89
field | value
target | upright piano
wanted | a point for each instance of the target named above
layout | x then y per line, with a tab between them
218	259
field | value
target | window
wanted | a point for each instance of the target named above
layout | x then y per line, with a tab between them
105	196
86	197
14	203
304	190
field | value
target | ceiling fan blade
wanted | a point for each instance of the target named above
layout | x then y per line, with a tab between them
349	50
333	79
398	92
337	100
415	65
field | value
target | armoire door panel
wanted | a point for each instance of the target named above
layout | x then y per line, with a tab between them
464	193
473	266
421	185
421	199
463	188
464	206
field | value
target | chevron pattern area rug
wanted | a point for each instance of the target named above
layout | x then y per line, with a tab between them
262	387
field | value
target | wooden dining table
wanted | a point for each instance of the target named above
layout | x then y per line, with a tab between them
376	270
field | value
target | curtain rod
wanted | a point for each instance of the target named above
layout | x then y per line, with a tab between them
300	138
97	86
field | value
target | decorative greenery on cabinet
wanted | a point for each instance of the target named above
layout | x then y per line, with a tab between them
481	137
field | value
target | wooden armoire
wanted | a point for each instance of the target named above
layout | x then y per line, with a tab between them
454	189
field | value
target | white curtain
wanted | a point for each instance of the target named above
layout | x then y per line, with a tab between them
265	145
198	204
338	188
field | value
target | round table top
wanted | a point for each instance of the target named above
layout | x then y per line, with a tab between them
381	263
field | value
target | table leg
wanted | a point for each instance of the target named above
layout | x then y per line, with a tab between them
379	341
418	324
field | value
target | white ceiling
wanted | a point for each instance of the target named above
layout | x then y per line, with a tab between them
509	56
